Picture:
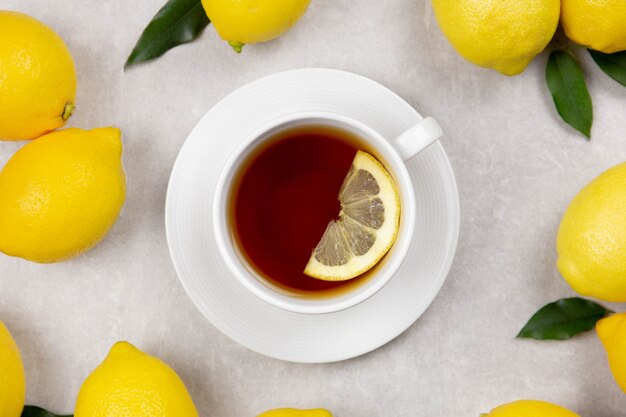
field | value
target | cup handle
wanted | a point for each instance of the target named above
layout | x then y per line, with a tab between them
417	138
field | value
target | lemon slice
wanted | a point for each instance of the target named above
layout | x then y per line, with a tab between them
367	225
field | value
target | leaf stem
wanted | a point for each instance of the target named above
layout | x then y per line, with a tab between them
68	110
237	46
562	42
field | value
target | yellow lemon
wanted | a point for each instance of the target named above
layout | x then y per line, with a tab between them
612	334
293	412
37	78
501	34
250	21
598	24
530	408
12	379
60	194
591	241
130	383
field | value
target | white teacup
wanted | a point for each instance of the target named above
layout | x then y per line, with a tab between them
393	154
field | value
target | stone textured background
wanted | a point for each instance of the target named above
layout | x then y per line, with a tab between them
517	167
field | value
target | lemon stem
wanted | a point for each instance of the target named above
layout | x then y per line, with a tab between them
68	110
237	46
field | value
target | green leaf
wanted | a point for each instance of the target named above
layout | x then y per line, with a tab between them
563	319
566	83
614	65
178	22
32	411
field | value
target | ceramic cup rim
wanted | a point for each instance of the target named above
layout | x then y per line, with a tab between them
258	285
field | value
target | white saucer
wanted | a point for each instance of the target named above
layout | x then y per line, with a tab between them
255	323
